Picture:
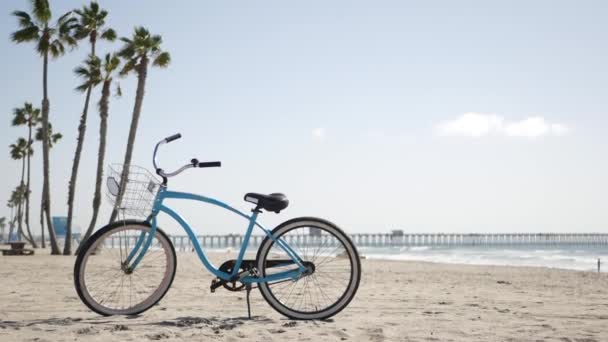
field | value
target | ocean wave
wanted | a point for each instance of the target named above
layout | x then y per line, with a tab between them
583	260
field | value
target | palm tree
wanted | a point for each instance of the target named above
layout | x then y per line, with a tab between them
19	151
53	138
91	74
49	40
11	223
2	227
90	22
109	67
30	117
137	53
17	200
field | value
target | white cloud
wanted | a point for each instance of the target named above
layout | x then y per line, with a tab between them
479	125
472	125
319	134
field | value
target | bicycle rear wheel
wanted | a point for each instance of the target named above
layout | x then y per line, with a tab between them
107	286
335	269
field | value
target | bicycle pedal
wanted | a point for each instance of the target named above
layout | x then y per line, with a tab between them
214	285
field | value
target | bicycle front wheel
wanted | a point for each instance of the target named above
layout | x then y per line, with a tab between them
103	279
333	269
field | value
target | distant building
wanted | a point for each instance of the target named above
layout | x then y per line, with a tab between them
397	233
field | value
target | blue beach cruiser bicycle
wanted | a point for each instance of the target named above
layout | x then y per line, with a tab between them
305	268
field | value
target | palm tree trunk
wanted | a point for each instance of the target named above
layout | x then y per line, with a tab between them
42	221
82	127
142	72
11	226
20	232
46	193
27	188
103	129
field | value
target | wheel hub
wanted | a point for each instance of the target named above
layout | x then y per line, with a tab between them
310	268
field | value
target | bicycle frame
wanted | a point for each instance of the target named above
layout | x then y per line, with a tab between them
143	244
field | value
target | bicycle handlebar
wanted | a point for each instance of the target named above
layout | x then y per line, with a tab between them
173	137
193	162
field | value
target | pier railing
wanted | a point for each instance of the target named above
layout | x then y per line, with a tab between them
404	240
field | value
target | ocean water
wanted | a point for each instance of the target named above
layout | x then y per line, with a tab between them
563	257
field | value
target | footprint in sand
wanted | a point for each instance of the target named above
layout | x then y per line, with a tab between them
86	331
158	336
376	334
341	334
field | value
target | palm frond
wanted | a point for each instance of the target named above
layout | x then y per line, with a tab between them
156	40
127	51
38	135
27	34
109	35
42	47
162	60
66	27
118	90
102	16
19	117
112	62
81	32
90	72
19	149
52	138
56	137
18	120
82	72
70	40
24	18
141	31
41	10
94	6
56	48
128	67
83	87
64	18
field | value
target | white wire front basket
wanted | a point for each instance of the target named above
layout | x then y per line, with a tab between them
138	193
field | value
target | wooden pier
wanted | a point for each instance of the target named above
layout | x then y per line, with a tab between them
498	239
399	239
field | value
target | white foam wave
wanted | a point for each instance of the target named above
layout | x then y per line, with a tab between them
579	259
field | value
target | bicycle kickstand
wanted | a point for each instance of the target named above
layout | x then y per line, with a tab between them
248	288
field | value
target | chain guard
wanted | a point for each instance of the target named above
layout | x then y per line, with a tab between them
246	266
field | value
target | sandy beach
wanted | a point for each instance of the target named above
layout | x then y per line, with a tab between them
397	301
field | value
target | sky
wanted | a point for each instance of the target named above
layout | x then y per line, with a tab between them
426	116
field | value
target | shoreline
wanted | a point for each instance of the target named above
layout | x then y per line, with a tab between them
604	265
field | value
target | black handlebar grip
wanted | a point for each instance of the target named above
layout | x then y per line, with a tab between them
173	137
210	164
